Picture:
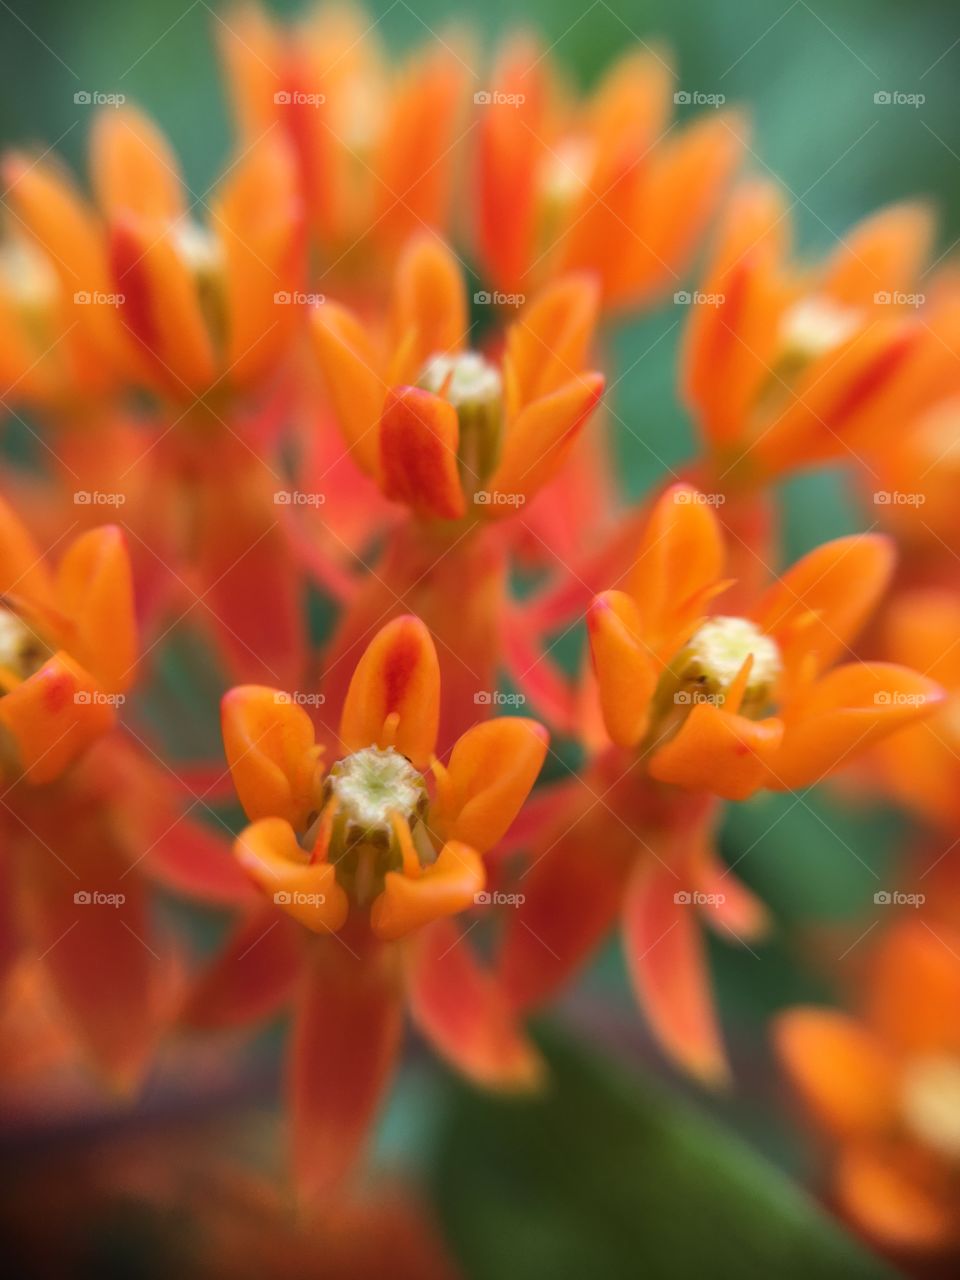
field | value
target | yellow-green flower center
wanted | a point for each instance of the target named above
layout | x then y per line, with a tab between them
371	785
22	651
715	653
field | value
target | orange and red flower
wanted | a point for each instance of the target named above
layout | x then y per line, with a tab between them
364	853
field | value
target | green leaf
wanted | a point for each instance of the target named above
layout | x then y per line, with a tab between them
609	1177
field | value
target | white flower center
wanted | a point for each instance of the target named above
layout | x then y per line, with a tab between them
815	325
930	1103
717	651
372	784
22	651
465	379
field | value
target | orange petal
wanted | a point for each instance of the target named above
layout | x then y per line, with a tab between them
429	305
891	1206
677	569
345	1042
668	965
625	670
491	772
464	1015
350	368
269	744
419	438
133	167
446	888
308	891
23	573
842	714
884	253
914	992
819	605
397	679
54	715
845	1075
547	346
95	593
539	439
735	910
717	751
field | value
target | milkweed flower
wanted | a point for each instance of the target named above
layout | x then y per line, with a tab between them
783	367
462	440
365	862
609	185
883	1088
685	693
376	144
183	307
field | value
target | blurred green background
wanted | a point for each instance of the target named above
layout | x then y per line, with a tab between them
605	1177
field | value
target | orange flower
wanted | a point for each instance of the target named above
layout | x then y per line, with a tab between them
784	368
605	186
365	852
68	646
440	427
186	308
375	145
884	1087
692	688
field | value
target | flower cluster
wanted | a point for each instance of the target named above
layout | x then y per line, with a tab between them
372	502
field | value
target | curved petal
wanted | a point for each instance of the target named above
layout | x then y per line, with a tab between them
717	751
625	670
464	1015
350	368
23	573
817	607
419	439
268	851
191	860
538	440
95	592
547	346
843	1072
491	772
878	1192
133	167
54	715
252	976
668	965
914	994
678	567
735	910
345	1041
394	695
429	315
843	713
885	252
447	887
270	747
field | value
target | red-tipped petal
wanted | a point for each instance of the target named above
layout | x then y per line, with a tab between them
419	438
